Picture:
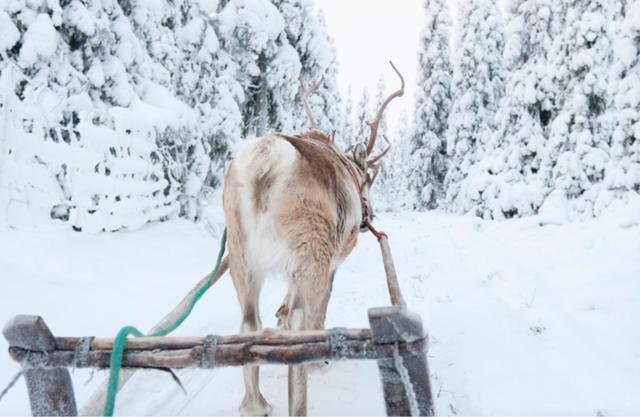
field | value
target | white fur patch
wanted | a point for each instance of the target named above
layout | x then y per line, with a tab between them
277	157
355	216
297	319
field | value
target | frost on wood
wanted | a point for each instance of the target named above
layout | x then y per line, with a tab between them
405	380
29	332
50	389
282	347
50	392
405	376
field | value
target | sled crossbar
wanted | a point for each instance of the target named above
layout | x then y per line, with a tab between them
396	340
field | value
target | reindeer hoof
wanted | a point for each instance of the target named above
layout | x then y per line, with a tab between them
318	366
282	314
255	407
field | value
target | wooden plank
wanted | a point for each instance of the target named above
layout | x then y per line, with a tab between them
50	389
404	373
224	355
264	337
390	270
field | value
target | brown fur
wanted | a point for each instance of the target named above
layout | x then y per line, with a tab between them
310	220
261	187
324	165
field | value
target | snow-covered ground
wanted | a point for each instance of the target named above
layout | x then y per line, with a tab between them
523	319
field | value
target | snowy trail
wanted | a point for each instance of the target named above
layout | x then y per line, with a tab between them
522	319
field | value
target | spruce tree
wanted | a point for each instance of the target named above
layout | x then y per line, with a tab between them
326	57
306	31
400	174
383	134
526	110
427	145
95	83
226	115
622	173
575	155
346	136
362	118
381	95
477	87
254	33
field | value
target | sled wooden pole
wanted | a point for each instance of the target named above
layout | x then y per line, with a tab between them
93	406
267	347
390	270
267	337
50	389
396	340
404	374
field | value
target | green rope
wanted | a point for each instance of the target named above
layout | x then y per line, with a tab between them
121	338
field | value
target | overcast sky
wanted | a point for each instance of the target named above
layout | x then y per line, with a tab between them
369	33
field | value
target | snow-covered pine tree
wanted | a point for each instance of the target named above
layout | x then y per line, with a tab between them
622	174
307	33
383	134
576	153
381	95
90	92
155	25
73	158
427	159
203	150
30	56
221	4
394	193
189	63
362	117
226	116
477	87
323	51
253	32
526	110
346	135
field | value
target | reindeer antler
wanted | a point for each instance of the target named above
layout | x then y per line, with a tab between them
376	121
383	153
306	93
375	169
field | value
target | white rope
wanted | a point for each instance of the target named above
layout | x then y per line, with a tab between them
11	384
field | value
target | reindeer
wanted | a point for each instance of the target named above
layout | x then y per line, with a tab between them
294	206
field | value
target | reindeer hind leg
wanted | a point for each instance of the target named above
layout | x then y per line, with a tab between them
310	287
248	285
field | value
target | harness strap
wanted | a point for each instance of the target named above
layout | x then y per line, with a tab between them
363	200
81	352
337	338
210	344
376	233
364	203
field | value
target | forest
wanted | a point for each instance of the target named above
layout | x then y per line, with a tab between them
510	200
116	113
